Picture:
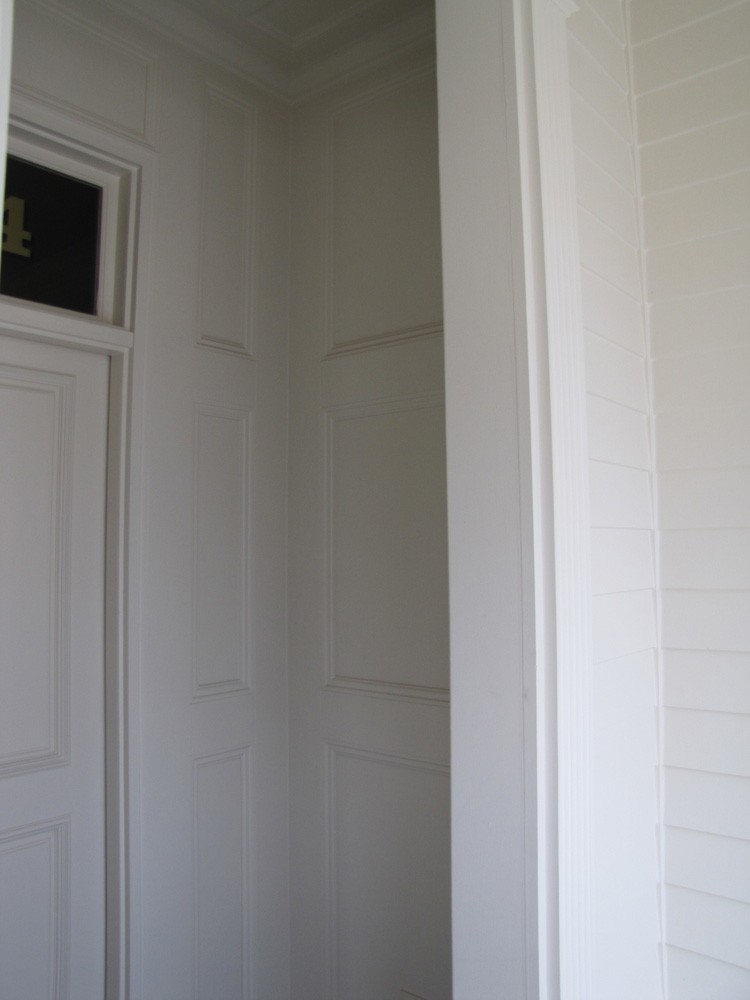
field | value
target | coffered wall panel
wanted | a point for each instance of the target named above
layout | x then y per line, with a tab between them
35	412
387	601
222	876
227	222
221	617
388	845
35	873
113	84
383	225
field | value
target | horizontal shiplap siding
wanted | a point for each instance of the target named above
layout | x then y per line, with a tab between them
691	63
623	569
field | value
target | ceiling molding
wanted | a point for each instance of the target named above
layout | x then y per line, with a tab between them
290	69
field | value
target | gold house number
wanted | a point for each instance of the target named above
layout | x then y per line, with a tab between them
14	235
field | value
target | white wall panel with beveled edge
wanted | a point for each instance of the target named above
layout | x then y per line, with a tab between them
227	222
383	218
117	90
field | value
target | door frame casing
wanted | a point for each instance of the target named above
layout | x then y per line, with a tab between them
38	323
25	323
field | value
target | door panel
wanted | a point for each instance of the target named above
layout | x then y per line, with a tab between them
53	435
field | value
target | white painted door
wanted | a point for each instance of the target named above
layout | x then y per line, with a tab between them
53	430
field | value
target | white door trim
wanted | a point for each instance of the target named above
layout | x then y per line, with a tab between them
570	495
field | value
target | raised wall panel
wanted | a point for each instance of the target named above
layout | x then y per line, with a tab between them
383	241
34	916
221	619
35	428
111	84
227	223
389	874
387	603
222	872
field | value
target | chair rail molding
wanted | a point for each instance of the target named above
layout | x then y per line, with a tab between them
570	489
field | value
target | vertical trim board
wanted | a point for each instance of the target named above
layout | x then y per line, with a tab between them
571	495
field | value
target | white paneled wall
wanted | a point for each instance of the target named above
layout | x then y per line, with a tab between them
691	65
623	571
368	670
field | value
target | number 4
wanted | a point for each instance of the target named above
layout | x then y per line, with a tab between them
14	235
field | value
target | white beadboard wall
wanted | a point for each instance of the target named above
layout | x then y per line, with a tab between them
625	816
691	72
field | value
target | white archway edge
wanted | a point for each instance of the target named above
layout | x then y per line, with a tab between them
570	488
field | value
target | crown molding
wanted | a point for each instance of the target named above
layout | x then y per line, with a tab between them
288	72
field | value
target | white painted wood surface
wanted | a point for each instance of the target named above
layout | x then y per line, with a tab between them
52	819
205	692
494	890
690	70
368	675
